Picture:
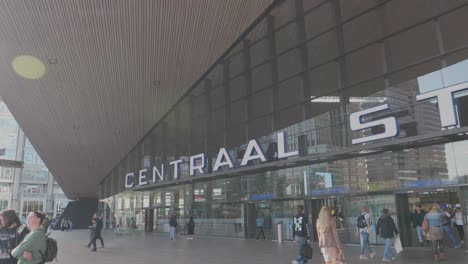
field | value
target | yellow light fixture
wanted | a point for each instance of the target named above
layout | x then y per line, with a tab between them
29	67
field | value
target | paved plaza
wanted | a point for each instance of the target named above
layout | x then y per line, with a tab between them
141	248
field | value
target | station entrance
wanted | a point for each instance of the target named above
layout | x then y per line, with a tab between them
447	198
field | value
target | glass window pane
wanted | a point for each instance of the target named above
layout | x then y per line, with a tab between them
364	64
237	88
236	64
324	80
289	64
360	31
262	103
414	45
290	92
400	14
352	8
261	77
456	36
286	38
322	49
259	52
318	20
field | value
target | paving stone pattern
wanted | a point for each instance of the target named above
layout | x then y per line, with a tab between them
139	247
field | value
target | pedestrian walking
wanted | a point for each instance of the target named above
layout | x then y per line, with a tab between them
459	224
260	222
33	246
173	226
329	241
63	224
363	229
118	225
190	228
433	225
92	229
417	218
301	234
96	229
387	230
447	227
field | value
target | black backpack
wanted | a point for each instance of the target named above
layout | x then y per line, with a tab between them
361	221
51	250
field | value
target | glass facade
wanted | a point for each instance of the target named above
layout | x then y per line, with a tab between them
303	70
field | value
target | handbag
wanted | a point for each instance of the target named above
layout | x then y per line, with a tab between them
445	220
397	244
425	225
307	251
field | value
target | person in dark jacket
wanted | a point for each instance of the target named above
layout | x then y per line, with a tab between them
96	229
417	218
190	228
92	228
173	225
11	235
301	233
386	229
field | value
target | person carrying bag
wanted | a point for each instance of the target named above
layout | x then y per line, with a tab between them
386	229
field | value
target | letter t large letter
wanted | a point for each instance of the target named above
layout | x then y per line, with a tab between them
444	97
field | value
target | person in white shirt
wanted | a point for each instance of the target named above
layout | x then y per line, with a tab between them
459	224
364	230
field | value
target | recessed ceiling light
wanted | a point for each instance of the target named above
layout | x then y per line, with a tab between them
52	61
29	67
156	82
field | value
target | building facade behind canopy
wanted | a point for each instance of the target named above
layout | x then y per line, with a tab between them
25	182
370	96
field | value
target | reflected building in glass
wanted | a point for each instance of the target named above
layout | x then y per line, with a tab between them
305	69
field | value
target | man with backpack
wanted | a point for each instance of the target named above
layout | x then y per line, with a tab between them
301	234
363	228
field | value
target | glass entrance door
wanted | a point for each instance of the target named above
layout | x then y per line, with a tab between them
263	210
313	207
446	198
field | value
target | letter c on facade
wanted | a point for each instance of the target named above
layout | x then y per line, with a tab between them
129	180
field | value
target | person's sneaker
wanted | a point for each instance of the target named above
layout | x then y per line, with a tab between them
393	258
386	260
372	255
457	246
363	257
421	244
294	262
94	250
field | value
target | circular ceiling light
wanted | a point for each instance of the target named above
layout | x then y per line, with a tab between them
28	67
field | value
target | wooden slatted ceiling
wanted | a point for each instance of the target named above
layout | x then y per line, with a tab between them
98	100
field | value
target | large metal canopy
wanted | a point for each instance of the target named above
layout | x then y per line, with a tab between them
112	70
